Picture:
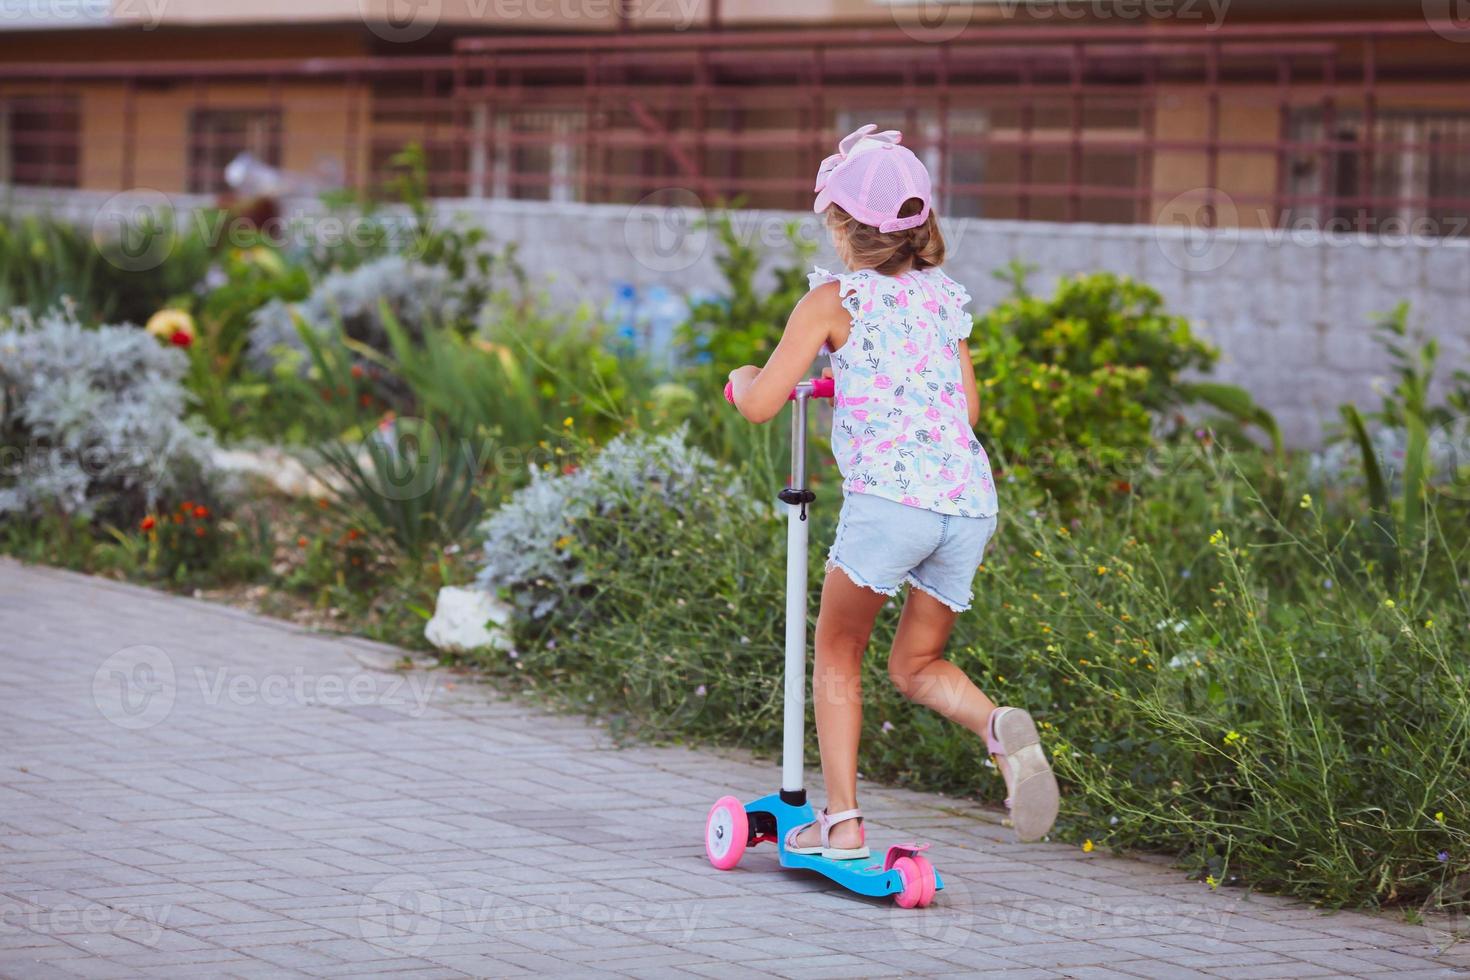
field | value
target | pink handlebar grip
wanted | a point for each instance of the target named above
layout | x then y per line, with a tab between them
820	388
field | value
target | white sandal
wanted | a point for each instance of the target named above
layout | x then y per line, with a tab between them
826	823
1016	749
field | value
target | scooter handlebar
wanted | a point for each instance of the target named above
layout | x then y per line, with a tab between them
813	387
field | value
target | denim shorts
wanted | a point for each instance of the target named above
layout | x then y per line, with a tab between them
882	543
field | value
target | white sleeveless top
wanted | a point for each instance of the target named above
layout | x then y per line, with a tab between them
900	423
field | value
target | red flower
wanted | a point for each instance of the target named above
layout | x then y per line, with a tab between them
301	541
186	506
201	512
180	339
198	532
357	370
148	523
365	400
353	534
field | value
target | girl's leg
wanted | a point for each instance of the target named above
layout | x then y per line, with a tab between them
918	669
843	627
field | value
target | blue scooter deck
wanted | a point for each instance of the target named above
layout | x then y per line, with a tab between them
865	876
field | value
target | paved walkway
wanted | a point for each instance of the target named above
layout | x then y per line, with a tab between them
188	790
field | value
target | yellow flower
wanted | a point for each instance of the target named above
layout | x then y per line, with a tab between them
1439	817
1306	501
1217	537
1210	880
1102	569
1388	603
1087	846
174	326
563	541
567	421
1429	624
1232	736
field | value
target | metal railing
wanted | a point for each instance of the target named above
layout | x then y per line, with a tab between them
1245	123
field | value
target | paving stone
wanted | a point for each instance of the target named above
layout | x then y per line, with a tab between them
241	834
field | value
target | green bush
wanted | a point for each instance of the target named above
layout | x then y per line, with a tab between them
1073	387
1253	701
48	262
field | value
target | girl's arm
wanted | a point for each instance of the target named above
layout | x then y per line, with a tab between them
761	392
972	393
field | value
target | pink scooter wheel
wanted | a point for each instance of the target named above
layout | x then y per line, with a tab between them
930	879
726	832
918	882
913	883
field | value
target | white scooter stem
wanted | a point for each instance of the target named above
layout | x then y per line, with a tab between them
793	733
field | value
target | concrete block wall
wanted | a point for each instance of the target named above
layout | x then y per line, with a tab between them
1292	312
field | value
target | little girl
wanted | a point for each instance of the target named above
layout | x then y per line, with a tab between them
919	504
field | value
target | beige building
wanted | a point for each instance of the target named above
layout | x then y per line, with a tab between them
1116	111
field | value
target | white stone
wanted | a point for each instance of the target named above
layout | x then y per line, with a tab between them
468	619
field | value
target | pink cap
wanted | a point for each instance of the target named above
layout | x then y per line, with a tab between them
870	176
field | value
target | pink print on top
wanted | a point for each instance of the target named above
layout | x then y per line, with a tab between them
900	424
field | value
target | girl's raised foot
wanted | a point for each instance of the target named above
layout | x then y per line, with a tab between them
1033	797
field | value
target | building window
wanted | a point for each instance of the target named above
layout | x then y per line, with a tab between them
217	136
40	141
532	155
1417	181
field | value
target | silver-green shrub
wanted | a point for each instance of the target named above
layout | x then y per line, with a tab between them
92	421
416	293
629	491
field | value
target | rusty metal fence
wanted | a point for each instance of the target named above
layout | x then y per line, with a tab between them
1250	124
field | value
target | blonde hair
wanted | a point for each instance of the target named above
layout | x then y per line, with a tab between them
862	246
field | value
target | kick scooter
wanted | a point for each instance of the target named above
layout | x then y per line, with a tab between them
733	826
